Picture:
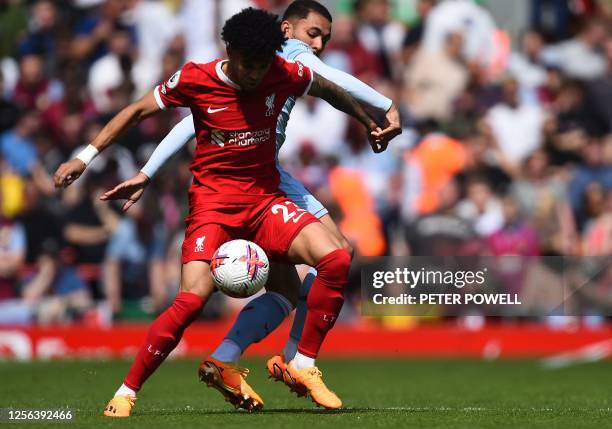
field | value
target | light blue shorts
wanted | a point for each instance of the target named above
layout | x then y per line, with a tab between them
300	195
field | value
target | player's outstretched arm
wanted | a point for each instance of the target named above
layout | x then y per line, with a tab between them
69	171
360	91
342	100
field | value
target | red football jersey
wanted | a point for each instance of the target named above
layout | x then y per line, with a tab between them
235	157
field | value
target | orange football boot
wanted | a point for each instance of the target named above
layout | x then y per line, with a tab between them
311	380
120	406
277	370
230	380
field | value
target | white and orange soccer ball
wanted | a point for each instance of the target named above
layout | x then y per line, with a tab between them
240	268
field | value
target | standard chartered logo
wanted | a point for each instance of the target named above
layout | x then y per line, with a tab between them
240	138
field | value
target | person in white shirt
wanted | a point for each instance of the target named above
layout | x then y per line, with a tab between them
516	128
580	57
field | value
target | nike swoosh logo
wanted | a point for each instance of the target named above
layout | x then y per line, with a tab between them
211	110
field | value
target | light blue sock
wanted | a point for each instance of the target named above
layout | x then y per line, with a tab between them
256	320
228	351
300	317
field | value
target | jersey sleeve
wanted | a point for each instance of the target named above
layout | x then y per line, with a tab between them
179	90
292	48
178	137
300	78
359	90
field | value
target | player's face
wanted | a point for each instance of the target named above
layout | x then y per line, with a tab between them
247	72
314	30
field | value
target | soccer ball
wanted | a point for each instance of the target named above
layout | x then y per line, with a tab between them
240	268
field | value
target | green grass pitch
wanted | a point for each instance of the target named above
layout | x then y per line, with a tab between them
376	393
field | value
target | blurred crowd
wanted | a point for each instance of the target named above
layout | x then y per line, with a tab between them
506	150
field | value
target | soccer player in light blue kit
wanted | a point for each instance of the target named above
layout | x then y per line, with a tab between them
307	25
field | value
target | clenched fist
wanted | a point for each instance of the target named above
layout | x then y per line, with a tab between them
68	172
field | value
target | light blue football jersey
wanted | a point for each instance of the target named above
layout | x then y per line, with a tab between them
291	49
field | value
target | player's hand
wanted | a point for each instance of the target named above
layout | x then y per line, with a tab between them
130	190
377	142
393	126
68	172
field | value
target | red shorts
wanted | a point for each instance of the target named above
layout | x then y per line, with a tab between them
272	223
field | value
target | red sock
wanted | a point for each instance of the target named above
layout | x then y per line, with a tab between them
324	300
163	336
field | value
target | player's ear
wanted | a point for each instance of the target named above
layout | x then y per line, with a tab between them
287	29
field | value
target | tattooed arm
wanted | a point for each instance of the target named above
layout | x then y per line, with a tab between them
343	101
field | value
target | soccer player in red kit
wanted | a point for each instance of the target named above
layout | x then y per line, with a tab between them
235	104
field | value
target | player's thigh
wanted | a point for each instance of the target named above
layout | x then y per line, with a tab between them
333	228
202	239
313	243
283	279
196	278
291	234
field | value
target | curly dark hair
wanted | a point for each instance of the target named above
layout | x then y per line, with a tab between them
301	8
254	33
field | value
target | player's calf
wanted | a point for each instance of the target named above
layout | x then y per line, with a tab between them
324	301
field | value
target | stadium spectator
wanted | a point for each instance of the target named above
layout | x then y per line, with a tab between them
428	168
516	237
41	38
525	66
595	172
598	232
441	233
133	265
157	29
435	80
579	57
89	223
18	150
12	256
346	52
94	31
414	34
481	207
515	127
34	89
542	199
469	19
51	287
600	90
111	71
380	34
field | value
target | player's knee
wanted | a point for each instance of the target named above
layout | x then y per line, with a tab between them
202	286
197	279
348	247
334	267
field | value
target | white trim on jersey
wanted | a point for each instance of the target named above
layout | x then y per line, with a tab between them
160	102
312	73
223	76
